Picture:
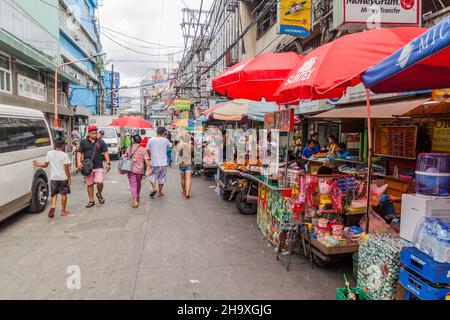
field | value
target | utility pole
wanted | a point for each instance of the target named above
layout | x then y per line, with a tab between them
112	89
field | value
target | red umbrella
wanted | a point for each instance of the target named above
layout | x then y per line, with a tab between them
256	78
131	122
327	71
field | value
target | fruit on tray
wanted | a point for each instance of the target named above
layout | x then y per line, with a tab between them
229	165
321	155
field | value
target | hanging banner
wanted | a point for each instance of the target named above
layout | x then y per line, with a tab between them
294	17
441	95
183	104
280	120
441	136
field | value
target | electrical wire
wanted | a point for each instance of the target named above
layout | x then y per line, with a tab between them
115	31
136	51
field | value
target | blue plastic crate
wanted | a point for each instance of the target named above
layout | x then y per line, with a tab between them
419	288
425	266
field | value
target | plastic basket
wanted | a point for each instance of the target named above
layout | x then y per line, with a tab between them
360	294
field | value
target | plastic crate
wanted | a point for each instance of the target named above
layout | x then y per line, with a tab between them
419	288
360	294
424	265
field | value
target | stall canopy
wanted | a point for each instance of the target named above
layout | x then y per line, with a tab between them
422	64
256	78
131	122
386	110
327	71
240	109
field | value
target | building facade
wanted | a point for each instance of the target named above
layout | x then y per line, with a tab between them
238	30
36	37
79	39
29	54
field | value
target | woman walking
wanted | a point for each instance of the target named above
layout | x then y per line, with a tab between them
140	158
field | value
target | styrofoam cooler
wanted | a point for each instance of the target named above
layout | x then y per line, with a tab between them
417	207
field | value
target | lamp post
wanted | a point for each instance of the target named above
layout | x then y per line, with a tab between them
55	121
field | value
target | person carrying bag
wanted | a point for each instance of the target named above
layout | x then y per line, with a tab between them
126	163
88	164
136	172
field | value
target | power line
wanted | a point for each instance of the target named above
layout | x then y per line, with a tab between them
136	51
131	43
112	30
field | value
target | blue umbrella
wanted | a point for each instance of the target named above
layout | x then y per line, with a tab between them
202	119
423	64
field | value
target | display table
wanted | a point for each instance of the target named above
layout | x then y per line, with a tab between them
274	201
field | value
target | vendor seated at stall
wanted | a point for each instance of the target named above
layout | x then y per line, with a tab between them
332	148
342	151
310	150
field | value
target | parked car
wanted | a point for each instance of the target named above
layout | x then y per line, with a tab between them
24	136
112	140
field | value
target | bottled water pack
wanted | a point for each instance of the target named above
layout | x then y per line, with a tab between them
432	236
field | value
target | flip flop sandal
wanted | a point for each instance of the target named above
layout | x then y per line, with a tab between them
65	213
90	204
135	205
100	198
51	212
153	194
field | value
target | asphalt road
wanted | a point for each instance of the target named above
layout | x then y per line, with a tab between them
169	248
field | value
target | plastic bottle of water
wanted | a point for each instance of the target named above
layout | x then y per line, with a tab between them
442	251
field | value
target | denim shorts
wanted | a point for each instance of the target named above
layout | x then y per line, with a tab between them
184	169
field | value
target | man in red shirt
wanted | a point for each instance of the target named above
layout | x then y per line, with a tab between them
144	139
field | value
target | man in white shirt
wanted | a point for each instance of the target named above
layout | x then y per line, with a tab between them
60	179
157	151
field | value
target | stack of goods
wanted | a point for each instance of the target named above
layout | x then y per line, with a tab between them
433	238
379	265
229	166
330	234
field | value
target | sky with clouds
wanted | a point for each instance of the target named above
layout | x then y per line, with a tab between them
155	21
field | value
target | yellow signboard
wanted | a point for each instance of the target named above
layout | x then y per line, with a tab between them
294	17
441	136
183	104
441	94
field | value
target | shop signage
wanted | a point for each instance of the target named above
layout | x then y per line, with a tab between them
182	104
361	14
358	94
441	94
280	120
115	86
441	136
294	17
313	106
30	88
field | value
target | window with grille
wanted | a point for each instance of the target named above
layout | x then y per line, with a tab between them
5	74
267	20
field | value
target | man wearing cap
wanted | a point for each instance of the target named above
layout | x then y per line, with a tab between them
87	147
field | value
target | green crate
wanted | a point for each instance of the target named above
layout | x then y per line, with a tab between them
360	294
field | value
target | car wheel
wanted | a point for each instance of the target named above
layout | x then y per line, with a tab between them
40	195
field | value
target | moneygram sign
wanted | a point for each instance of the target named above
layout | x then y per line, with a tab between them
369	14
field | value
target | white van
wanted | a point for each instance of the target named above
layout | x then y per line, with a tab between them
112	140
24	136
